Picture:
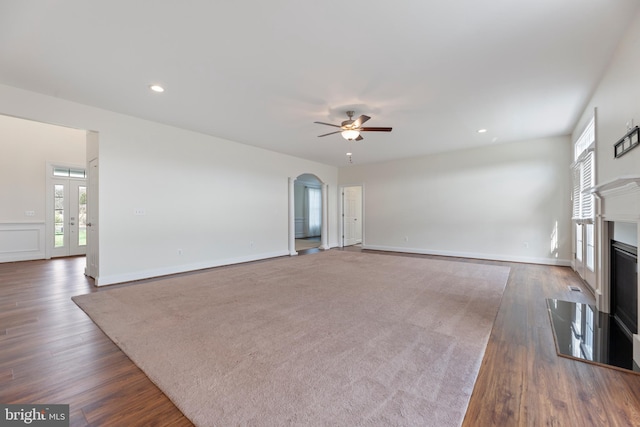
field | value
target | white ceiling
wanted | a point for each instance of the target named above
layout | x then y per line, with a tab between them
261	72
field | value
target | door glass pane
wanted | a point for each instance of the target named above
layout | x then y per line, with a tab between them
82	216
77	173
58	215
579	242
590	247
60	171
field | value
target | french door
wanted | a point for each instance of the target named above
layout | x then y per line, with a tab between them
69	214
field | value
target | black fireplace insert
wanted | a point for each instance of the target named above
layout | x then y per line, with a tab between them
624	286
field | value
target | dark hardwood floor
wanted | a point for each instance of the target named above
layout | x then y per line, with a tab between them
522	381
50	352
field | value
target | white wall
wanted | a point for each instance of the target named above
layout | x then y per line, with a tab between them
617	99
25	149
500	202
217	201
625	232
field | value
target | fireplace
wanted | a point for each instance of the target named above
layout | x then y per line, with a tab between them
617	276
624	288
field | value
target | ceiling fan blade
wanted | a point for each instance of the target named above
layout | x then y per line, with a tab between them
359	121
375	129
359	138
330	133
328	124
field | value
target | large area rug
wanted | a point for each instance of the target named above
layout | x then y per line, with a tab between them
335	338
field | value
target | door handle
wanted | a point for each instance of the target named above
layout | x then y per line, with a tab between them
88	224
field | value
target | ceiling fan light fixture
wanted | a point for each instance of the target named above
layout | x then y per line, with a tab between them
351	129
350	135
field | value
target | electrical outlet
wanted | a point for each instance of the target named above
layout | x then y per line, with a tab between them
139	211
406	238
252	243
29	213
179	251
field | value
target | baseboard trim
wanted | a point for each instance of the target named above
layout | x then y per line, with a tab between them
472	255
148	274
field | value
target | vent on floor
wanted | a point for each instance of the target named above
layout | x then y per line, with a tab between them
575	289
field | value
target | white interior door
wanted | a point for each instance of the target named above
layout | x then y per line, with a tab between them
69	216
352	215
91	268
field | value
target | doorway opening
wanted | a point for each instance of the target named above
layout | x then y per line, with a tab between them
45	216
307	211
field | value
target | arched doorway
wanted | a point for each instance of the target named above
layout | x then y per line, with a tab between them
307	213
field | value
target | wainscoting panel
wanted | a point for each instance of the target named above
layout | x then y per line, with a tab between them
300	228
22	241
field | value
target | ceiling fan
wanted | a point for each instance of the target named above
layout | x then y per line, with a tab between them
350	129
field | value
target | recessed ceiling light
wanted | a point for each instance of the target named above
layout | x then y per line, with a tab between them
156	88
482	130
349	154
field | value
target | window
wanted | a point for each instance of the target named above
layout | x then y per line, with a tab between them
314	205
58	216
69	172
583	176
583	201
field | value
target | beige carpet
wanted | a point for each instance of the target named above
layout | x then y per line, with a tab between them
334	338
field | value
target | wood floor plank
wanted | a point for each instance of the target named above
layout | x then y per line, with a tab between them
51	352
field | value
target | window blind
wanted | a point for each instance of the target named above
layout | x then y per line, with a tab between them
583	182
583	175
587	184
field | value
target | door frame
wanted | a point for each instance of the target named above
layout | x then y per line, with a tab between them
49	203
324	237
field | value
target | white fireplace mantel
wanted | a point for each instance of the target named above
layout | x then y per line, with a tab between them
617	200
623	184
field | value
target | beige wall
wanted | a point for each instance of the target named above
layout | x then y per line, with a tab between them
499	202
26	147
